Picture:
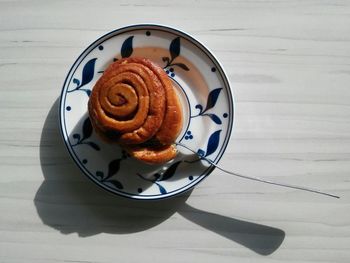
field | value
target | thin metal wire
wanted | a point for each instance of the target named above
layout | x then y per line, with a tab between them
256	178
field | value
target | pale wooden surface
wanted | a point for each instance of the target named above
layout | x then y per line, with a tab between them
289	64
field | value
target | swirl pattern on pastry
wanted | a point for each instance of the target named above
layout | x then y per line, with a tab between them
133	102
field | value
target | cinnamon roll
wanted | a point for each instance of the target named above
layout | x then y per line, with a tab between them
135	105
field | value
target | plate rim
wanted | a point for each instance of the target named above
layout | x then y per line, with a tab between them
203	48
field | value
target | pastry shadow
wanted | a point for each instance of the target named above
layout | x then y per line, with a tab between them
261	239
69	202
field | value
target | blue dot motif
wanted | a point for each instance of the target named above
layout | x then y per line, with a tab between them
172	74
100	47
148	33
139	190
68	108
85	161
190	177
188	135
225	115
171	70
213	69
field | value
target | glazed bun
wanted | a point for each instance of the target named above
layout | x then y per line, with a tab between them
135	105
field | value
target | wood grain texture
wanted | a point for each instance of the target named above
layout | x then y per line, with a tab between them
289	64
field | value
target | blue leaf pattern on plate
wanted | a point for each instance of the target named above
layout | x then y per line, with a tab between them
212	99
170	171
214	117
88	72
87	129
86	133
88	92
127	49
213	143
113	168
93	145
211	102
181	65
87	76
161	189
174	48
116	183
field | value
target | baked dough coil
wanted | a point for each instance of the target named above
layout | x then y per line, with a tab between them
135	105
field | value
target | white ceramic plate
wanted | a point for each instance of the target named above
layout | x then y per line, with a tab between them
205	95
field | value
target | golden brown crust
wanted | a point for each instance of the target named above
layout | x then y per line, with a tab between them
172	122
112	95
152	155
134	101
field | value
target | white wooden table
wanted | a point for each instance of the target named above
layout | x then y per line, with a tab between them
289	64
